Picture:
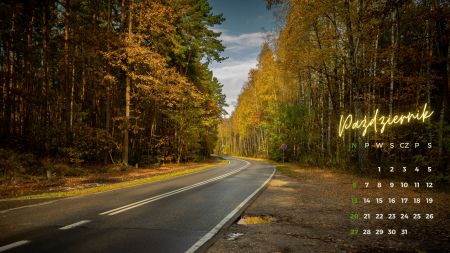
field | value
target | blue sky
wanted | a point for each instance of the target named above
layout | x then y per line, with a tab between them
247	25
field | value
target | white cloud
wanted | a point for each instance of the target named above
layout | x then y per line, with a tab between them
233	74
242	51
234	43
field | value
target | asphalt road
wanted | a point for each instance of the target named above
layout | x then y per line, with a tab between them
178	215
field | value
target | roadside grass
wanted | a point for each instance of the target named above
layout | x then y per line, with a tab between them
287	169
109	187
254	159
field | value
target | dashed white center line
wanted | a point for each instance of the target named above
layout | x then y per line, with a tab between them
167	194
13	245
76	224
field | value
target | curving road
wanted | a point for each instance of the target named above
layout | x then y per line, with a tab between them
182	214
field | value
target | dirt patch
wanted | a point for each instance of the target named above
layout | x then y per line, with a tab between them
312	210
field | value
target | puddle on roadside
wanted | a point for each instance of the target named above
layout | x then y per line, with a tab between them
251	220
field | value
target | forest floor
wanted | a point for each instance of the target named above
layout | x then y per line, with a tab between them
310	212
108	178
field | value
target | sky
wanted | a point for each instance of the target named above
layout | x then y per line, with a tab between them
247	25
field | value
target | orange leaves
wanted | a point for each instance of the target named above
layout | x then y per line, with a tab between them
157	17
150	73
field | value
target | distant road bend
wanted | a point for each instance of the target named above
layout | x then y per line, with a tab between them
178	215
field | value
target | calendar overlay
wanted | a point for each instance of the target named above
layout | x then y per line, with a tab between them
398	198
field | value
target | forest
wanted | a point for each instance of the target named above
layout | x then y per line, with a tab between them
333	58
109	81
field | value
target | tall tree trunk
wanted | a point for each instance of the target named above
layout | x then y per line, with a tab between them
72	92
392	59
329	115
442	68
122	15
10	85
108	92
45	43
3	79
127	93
67	77
26	123
429	55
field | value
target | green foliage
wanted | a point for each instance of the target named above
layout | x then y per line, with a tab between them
292	126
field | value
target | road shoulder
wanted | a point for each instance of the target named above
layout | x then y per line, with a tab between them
311	210
100	184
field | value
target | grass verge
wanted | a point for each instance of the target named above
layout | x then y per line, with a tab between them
254	159
283	168
286	170
109	187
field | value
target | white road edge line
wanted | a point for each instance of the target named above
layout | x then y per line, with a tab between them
137	185
13	245
167	194
32	205
144	200
164	194
76	224
219	226
74	197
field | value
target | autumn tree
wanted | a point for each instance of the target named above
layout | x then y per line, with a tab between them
110	80
340	57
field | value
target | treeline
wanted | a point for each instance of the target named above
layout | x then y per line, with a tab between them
109	80
346	57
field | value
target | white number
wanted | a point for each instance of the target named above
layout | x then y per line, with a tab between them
366	232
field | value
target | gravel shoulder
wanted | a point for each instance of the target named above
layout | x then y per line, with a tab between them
311	209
